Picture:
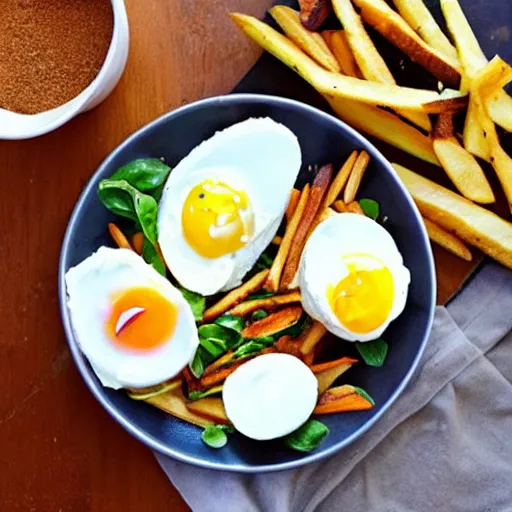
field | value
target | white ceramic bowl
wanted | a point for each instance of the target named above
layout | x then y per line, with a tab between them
22	126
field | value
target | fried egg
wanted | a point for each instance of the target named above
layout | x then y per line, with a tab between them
223	203
352	277
270	396
130	322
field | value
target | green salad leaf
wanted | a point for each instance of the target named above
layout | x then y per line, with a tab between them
144	174
215	436
307	437
374	352
196	301
200	360
264	261
259	314
253	346
196	395
151	256
217	339
124	200
263	294
370	207
231	322
297	328
364	394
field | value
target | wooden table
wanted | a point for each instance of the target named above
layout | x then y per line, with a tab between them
59	450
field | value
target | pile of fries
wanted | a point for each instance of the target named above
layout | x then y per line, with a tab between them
346	68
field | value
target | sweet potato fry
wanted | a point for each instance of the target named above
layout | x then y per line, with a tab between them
224	360
371	64
393	27
311	338
335	85
289	345
118	237
174	403
474	224
322	367
318	191
268	303
311	42
447	240
386	127
354	180
138	242
353	207
340	206
341	50
273	323
292	203
236	296
341	399
487	81
327	377
211	409
276	270
314	12
340	180
460	165
419	18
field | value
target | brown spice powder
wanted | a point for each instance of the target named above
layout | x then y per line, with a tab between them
50	50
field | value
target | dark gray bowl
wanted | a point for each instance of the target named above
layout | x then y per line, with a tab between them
323	139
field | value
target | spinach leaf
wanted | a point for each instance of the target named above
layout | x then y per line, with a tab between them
217	339
297	328
197	365
307	437
258	315
231	322
196	395
151	256
364	394
370	207
253	346
197	303
264	261
144	174
214	436
373	352
124	200
259	295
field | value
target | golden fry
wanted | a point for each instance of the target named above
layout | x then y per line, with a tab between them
277	240
340	206
210	408
327	377
273	323
267	303
447	240
310	340
118	237
340	180
292	203
341	50
353	207
356	176
138	242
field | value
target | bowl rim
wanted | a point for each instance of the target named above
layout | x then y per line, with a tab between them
97	389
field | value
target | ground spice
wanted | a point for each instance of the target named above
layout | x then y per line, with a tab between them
50	50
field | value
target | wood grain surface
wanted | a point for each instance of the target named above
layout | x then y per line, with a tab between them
59	451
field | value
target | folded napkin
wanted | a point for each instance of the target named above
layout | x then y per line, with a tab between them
445	445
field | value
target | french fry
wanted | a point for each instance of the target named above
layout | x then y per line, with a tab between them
419	18
289	345
354	180
292	203
267	303
322	367
318	190
236	296
274	276
371	64
174	403
472	223
327	377
138	242
327	37
118	237
311	42
340	180
341	50
340	206
342	399
273	323
353	207
335	85
386	127
325	213
460	165
211	409
311	338
487	81
393	27
447	240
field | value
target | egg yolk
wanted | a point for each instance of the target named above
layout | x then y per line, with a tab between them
217	219
141	319
362	301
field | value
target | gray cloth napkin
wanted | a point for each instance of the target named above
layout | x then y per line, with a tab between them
445	445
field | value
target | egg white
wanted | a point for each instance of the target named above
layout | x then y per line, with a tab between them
90	287
258	156
270	396
321	265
